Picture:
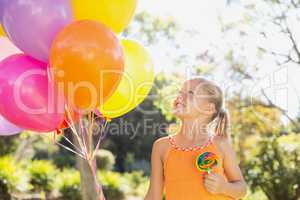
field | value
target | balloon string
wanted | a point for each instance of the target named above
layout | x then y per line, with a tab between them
78	149
78	139
72	126
103	127
83	136
92	160
99	187
98	113
90	134
54	137
69	149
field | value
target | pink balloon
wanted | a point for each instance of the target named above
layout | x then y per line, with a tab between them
27	98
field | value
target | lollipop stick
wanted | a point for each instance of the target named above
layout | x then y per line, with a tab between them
209	171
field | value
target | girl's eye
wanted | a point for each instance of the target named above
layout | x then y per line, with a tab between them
191	92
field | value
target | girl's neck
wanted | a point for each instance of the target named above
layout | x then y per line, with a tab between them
195	129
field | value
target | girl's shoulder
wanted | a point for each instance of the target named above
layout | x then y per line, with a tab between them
162	145
162	140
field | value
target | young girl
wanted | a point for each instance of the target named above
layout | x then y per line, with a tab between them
195	164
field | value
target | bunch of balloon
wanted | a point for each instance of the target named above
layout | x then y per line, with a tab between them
65	67
29	99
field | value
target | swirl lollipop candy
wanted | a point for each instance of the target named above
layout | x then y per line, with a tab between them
206	161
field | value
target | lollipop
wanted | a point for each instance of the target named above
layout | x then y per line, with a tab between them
206	161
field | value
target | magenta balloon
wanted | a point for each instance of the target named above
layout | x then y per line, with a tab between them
33	24
27	98
7	128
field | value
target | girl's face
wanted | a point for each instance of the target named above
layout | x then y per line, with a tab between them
192	101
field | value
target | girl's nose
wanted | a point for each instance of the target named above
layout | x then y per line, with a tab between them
181	97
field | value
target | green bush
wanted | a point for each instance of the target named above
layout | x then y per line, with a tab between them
137	183
257	195
105	159
42	175
129	162
114	185
8	144
13	175
274	170
68	183
8	171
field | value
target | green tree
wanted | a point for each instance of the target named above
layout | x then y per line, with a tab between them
275	168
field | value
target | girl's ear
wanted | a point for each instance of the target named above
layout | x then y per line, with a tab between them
212	108
209	109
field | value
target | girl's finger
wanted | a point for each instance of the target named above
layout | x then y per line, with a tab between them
210	189
207	186
211	177
209	183
214	175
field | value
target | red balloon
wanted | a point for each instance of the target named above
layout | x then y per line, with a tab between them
71	117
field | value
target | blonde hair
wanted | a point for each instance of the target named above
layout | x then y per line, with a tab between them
221	116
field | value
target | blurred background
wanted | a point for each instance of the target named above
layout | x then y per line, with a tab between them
250	47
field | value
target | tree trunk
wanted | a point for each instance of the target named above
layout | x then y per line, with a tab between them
22	150
89	186
88	183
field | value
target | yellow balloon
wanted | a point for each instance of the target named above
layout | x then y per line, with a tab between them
2	33
136	83
115	14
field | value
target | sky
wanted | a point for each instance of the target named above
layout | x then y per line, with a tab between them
188	14
280	83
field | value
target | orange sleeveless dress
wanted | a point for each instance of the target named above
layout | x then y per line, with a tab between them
182	179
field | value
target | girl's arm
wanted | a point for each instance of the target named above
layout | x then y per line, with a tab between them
235	187
155	191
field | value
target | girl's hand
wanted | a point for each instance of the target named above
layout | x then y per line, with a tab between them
215	183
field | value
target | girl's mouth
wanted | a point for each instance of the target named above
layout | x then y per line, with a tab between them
179	104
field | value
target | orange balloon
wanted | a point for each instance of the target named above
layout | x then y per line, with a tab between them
87	60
